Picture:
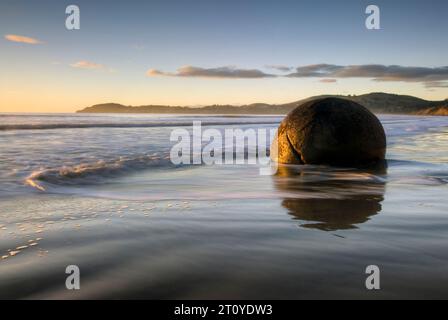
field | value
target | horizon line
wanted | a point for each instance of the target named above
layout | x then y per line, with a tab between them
207	105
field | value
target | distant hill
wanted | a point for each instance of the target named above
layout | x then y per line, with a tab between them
377	102
434	111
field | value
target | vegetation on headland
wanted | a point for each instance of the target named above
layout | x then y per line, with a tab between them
377	102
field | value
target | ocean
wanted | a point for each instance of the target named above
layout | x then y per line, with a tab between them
99	191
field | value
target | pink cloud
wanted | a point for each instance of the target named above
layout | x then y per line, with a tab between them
22	39
83	64
328	80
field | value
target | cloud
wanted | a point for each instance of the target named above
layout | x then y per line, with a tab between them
22	39
376	72
328	80
278	67
154	73
436	84
436	77
83	64
221	72
314	70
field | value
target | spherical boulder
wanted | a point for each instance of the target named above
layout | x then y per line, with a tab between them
330	131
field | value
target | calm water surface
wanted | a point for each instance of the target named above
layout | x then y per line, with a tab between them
99	191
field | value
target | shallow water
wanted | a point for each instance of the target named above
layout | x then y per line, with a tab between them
99	191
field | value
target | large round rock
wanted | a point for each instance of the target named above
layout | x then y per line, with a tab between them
330	131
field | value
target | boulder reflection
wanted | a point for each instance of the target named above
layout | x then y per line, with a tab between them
331	199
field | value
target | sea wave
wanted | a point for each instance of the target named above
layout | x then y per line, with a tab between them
49	126
95	172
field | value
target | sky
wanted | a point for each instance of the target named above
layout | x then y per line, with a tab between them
177	52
